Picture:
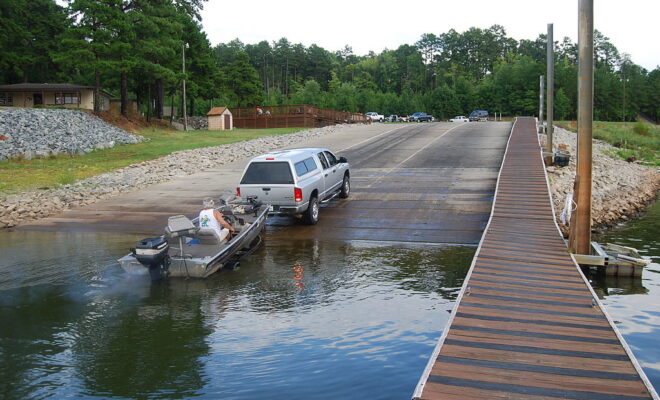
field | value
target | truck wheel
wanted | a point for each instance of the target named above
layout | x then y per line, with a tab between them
311	216
345	188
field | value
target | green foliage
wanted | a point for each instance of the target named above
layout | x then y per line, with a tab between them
449	73
644	146
27	32
135	47
241	82
642	129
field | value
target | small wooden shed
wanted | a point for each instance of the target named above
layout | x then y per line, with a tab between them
220	118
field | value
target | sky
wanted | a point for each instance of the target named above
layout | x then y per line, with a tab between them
633	26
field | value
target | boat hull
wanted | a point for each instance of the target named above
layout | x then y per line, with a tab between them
189	259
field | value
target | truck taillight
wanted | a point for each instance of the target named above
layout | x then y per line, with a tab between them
297	195
238	192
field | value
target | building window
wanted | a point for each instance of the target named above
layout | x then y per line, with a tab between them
6	99
67	98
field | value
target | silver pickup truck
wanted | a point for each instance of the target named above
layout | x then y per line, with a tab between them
296	181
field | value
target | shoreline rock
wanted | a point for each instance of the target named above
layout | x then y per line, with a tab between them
621	190
30	205
38	133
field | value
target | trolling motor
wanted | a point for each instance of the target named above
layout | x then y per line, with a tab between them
255	204
153	254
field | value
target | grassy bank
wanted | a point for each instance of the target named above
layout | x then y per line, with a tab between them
19	175
638	140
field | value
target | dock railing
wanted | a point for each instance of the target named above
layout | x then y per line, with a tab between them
296	115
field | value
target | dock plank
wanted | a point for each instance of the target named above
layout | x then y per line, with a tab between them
526	324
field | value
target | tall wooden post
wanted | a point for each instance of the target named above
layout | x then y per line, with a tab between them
183	102
550	71
541	101
585	119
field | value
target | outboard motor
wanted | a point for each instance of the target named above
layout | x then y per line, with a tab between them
153	254
254	204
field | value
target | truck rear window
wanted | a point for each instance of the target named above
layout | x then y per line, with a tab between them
267	173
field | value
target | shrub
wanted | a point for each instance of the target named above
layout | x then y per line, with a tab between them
641	128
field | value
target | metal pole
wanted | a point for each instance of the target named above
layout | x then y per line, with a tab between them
185	116
541	102
550	92
585	119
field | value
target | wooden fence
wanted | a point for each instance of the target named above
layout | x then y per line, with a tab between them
299	115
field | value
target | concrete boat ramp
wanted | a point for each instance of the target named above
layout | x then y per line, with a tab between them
427	182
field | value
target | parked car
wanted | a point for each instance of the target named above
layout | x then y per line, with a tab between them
375	116
479	115
421	117
403	118
296	181
392	118
460	118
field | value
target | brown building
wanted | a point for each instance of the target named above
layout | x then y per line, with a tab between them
220	118
51	94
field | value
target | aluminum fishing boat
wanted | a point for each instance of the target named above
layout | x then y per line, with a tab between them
187	251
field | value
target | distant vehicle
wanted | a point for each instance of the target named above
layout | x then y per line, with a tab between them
479	115
392	118
460	118
375	116
421	117
296	181
403	118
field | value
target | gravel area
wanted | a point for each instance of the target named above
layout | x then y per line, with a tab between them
620	191
27	206
30	133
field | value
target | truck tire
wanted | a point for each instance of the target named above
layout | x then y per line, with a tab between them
311	215
345	188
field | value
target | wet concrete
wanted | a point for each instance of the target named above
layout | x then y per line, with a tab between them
427	182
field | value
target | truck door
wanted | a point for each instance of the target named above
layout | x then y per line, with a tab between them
335	175
327	174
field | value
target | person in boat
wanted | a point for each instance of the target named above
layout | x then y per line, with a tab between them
210	218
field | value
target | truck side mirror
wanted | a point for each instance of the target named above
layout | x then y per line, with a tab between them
343	160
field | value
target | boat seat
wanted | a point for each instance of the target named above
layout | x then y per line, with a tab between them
179	226
210	236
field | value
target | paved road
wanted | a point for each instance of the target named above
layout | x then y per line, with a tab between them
419	183
427	182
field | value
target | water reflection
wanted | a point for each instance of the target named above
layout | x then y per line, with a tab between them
154	346
298	319
633	302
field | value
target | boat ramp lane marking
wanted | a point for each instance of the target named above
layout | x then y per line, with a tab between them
389	171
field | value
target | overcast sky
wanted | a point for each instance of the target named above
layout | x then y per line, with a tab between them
632	25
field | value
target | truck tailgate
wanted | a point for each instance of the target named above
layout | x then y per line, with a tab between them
272	194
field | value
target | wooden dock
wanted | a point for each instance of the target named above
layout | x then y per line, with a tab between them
527	324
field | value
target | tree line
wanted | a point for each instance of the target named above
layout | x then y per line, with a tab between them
134	47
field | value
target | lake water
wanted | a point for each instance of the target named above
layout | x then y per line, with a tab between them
296	320
634	303
304	319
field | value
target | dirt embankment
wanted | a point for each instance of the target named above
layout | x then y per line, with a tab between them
621	190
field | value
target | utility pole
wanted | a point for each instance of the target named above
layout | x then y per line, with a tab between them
551	93
624	93
582	242
183	106
541	102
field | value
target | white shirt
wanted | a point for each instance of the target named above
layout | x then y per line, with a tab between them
207	221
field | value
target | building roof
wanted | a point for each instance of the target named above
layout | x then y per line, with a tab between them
49	87
217	111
